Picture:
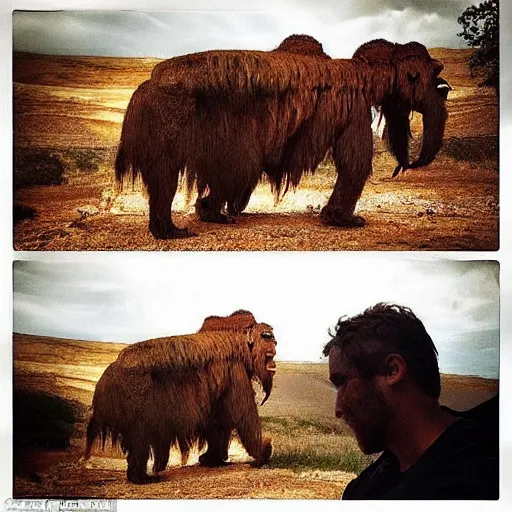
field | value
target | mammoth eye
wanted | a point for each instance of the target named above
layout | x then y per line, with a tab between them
413	76
267	335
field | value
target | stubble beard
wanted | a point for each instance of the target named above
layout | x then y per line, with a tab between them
370	426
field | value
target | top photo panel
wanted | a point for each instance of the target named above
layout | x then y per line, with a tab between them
370	127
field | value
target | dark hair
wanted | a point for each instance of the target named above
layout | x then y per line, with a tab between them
366	339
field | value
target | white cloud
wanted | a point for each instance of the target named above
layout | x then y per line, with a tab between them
165	34
302	296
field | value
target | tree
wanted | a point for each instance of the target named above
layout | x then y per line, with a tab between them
480	29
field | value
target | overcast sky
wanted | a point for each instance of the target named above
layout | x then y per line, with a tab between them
340	26
137	297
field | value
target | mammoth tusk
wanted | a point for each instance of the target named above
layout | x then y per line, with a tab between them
443	87
441	82
265	399
397	170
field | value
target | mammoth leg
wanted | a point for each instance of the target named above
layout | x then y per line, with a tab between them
138	455
161	194
238	205
244	416
161	455
217	436
209	209
352	156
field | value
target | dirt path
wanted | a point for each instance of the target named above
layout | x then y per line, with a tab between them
439	208
106	478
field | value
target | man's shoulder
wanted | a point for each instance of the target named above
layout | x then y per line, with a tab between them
466	438
461	464
374	479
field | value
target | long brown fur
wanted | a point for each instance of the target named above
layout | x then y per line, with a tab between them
185	391
225	117
296	43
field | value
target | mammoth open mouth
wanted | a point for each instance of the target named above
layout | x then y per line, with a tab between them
270	364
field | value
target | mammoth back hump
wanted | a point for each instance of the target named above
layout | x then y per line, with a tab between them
184	353
239	320
251	72
302	44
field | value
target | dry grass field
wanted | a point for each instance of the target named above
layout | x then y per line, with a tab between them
67	118
314	457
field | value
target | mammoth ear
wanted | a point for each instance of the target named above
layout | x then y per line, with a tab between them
437	65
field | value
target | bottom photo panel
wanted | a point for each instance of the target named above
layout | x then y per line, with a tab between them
267	376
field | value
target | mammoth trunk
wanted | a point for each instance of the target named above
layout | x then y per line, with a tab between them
434	121
398	130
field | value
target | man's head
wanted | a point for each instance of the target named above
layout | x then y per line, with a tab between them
376	359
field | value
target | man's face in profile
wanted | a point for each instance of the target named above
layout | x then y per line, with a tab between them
360	403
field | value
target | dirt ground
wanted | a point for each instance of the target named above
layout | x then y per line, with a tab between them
451	205
402	214
70	369
106	478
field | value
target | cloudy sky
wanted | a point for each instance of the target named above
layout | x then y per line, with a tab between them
129	298
140	30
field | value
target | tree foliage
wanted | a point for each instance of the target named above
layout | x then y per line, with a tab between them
480	29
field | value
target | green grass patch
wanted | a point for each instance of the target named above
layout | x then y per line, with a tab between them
313	444
350	460
86	160
278	424
324	428
472	149
42	420
37	167
55	166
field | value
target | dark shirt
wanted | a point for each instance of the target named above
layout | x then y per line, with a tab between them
461	464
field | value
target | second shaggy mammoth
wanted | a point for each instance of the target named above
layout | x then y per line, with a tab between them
223	118
185	391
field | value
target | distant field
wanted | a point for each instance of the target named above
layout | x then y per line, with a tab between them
53	93
315	454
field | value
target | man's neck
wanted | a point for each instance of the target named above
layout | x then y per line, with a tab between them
415	428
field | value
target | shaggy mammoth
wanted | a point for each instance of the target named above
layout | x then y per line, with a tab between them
186	390
223	118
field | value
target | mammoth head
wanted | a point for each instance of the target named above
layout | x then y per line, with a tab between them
260	340
417	87
262	345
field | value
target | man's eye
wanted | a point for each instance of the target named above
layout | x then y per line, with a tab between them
338	382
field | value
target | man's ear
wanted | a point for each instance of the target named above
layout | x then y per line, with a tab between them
395	368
